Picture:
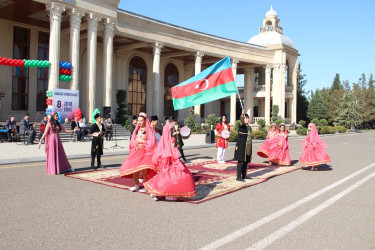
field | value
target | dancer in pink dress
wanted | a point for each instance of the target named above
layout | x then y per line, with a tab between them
313	153
56	162
264	150
141	148
174	179
279	148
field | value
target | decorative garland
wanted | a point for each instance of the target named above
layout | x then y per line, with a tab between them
65	71
24	63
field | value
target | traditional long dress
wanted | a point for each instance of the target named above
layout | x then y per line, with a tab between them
243	151
56	161
174	178
279	149
313	153
264	149
221	142
140	156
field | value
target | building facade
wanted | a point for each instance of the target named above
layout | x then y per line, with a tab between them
112	49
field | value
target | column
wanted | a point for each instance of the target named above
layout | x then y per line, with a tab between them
75	31
294	103
233	98
198	69
91	60
109	28
248	92
283	68
158	90
267	106
55	11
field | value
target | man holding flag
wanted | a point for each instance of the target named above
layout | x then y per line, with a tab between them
214	83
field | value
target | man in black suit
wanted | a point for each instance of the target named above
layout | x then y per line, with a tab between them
11	125
133	125
75	126
177	135
26	129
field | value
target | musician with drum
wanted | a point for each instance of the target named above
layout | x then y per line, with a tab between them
222	131
177	135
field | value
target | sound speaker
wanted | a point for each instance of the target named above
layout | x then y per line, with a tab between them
106	112
210	136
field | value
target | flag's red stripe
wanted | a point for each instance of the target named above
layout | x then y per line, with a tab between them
215	80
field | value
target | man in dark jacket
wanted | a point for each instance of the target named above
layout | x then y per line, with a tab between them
133	125
77	129
177	135
26	129
243	149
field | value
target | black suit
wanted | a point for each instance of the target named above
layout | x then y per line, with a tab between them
12	129
79	131
179	142
25	129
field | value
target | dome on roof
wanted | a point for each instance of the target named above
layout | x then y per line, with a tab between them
271	12
271	38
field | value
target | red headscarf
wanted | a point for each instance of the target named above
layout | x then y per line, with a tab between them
150	142
313	137
164	148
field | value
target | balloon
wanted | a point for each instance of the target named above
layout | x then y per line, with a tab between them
60	118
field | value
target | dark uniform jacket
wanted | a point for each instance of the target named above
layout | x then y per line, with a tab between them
178	137
97	141
243	149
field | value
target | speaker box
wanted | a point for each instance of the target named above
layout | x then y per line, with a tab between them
210	136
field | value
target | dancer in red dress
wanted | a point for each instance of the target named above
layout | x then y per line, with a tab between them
279	148
174	179
313	153
264	150
221	143
141	148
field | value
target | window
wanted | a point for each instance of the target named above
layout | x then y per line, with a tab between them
20	76
137	88
42	80
170	80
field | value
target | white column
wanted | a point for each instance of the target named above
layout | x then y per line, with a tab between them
158	89
267	112
294	103
109	28
248	92
233	98
91	60
55	11
75	31
282	79
198	69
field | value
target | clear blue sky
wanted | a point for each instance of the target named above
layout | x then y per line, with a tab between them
331	36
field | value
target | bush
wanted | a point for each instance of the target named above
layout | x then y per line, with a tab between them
127	124
302	123
261	123
259	135
237	125
278	122
191	121
315	121
340	129
212	120
323	122
233	135
262	129
331	129
324	130
301	131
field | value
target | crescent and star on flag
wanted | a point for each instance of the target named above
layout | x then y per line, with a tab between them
201	83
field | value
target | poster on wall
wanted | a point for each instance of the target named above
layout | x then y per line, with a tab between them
65	101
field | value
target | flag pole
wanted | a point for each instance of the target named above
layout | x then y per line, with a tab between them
239	97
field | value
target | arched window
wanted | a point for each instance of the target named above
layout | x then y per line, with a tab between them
137	88
170	80
268	25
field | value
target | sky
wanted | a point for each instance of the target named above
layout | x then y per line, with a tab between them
331	36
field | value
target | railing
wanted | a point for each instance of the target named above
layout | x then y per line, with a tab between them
259	88
256	119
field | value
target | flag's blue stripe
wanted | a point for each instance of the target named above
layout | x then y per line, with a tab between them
219	66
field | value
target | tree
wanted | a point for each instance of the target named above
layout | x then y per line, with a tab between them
275	112
336	84
349	116
121	100
316	108
191	121
330	97
302	102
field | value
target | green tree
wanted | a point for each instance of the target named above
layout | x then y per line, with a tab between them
316	108
212	119
191	121
349	116
302	101
330	97
121	100
275	112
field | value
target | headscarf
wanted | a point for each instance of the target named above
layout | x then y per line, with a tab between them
150	142
314	138
164	148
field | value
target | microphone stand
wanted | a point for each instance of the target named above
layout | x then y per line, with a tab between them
115	125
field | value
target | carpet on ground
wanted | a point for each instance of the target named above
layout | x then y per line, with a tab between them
212	179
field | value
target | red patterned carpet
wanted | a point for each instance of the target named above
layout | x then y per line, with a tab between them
211	178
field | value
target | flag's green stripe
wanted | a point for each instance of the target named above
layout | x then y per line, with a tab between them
209	95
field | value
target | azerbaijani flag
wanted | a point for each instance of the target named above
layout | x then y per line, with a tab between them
213	83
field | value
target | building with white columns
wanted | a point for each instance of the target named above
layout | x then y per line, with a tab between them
112	49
